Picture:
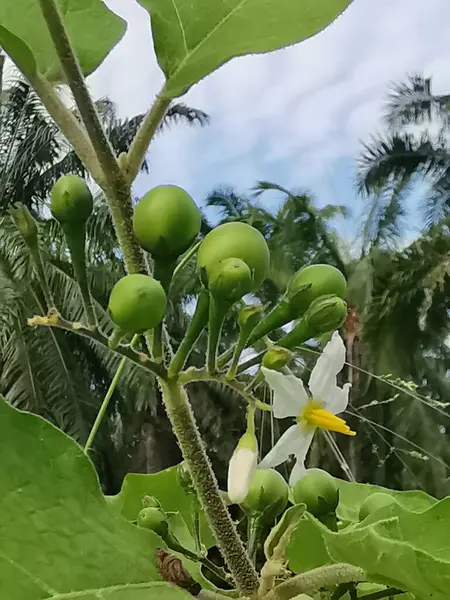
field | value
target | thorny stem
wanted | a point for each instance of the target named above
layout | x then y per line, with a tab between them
205	483
115	185
314	580
145	135
53	319
107	399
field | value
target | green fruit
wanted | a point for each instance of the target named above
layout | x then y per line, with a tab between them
374	502
234	240
231	280
326	314
166	221
154	519
276	358
318	490
309	283
267	496
71	200
137	303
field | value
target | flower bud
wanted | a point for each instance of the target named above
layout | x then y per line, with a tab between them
230	280
184	478
309	283
25	224
326	314
276	358
267	495
249	316
241	468
319	491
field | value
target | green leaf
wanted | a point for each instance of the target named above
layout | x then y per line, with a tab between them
306	556
57	533
142	591
192	38
84	19
407	550
352	496
165	487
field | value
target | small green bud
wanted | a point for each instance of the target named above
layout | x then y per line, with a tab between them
276	358
249	316
184	478
319	491
230	280
267	495
25	224
150	502
154	519
326	314
309	283
374	502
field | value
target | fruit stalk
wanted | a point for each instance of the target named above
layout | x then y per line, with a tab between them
163	272
218	310
196	325
205	483
76	238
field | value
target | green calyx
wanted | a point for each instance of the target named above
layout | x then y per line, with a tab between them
267	495
249	317
154	519
71	200
276	358
137	303
312	282
319	491
230	280
150	502
248	441
375	502
234	240
166	221
25	224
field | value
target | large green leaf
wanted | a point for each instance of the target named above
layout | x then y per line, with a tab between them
192	38
165	487
57	532
93	30
404	549
142	591
352	495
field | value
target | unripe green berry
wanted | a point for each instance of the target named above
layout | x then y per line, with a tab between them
155	520
319	491
326	314
25	224
234	240
230	280
71	200
267	496
309	283
276	358
137	303
374	502
166	221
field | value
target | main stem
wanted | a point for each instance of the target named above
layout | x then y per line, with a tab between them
192	448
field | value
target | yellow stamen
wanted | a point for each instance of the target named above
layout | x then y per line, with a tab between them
315	416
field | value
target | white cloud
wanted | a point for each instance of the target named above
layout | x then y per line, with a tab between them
294	116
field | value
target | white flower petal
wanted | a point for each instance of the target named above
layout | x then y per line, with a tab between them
328	365
240	470
286	445
304	443
336	399
289	397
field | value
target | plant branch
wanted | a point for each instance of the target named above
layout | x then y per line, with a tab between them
107	399
316	579
144	135
53	319
205	483
115	186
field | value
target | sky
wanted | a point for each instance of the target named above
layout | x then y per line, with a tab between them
296	116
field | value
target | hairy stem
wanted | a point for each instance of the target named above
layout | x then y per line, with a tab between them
314	580
205	483
146	131
107	399
114	183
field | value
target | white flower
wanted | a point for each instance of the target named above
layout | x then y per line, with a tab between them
320	410
241	468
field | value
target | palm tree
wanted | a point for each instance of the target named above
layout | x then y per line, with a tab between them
390	165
